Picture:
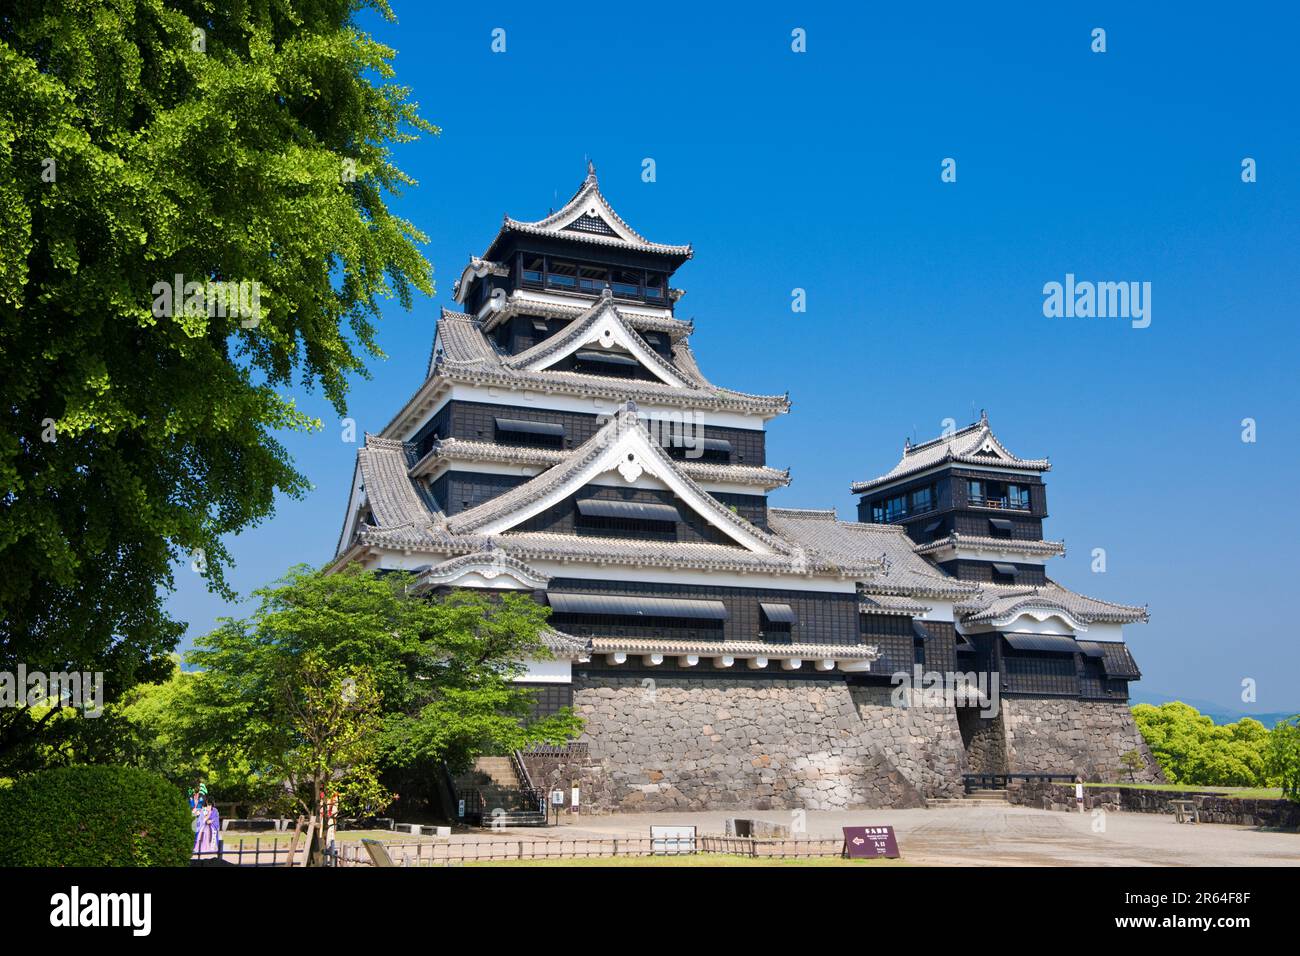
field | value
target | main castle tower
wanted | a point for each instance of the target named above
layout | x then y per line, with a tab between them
565	443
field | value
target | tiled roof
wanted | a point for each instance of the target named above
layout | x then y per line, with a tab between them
565	645
572	335
588	198
997	602
407	519
1116	658
519	304
462	449
973	445
470	357
580	459
492	560
890	604
852	652
830	539
396	502
583	549
955	540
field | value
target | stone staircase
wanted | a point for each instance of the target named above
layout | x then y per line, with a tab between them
976	798
503	803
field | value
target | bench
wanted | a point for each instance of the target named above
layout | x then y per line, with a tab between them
1185	811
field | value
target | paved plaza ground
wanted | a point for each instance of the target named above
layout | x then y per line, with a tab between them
992	836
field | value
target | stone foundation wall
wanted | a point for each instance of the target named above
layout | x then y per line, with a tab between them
986	740
673	742
1087	737
562	767
677	742
1212	807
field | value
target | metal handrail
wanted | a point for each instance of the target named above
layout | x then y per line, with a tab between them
1002	504
526	784
999	781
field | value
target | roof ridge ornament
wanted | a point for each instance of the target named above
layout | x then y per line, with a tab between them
984	417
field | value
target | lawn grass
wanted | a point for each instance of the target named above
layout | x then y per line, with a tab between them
1242	793
270	838
695	859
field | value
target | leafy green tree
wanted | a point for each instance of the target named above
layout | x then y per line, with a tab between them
141	141
1192	749
442	671
328	744
1284	757
1174	732
1132	763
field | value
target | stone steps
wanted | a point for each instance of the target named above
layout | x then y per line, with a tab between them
977	798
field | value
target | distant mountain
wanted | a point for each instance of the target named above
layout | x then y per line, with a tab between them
1219	713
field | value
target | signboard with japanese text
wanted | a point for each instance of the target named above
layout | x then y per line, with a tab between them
865	843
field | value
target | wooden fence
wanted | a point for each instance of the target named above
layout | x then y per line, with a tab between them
248	853
483	851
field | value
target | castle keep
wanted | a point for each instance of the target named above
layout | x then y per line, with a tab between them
725	653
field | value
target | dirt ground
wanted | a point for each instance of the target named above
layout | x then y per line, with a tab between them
1001	835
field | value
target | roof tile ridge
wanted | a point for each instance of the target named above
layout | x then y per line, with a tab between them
1114	604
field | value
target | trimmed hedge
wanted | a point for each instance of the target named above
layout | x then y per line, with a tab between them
94	816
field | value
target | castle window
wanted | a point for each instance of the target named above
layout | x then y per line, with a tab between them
562	275
696	448
548	698
617	364
1004	573
997	494
1018	497
627	519
535	434
654	285
1000	527
592	278
617	615
534	268
627	283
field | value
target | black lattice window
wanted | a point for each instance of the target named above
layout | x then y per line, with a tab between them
625	528
549	699
1027	672
592	224
637	625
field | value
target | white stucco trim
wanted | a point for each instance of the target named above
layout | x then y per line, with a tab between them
557	671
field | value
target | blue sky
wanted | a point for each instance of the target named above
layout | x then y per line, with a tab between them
821	171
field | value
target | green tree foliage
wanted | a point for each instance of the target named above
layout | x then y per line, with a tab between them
1284	757
1132	763
439	674
1192	749
94	816
141	140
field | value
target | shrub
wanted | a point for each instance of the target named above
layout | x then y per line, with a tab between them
94	816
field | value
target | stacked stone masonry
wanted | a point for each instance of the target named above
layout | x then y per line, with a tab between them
1049	735
672	742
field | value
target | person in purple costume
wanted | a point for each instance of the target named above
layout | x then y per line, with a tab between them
207	821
